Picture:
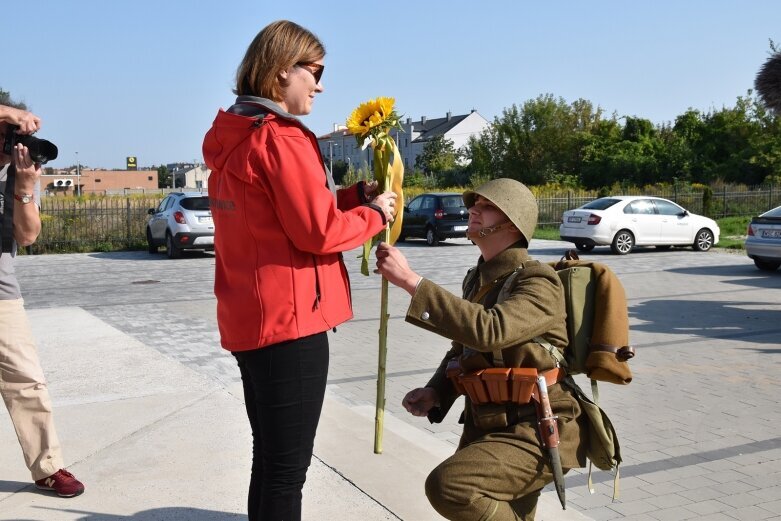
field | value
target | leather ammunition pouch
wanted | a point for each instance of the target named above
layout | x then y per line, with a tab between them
499	385
497	394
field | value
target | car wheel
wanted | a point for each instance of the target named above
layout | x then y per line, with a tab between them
150	243
582	246
663	247
623	242
431	237
766	265
171	248
703	241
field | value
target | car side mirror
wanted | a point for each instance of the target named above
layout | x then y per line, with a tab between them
684	213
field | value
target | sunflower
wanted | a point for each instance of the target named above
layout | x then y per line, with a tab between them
372	117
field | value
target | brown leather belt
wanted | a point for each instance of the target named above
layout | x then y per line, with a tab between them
501	384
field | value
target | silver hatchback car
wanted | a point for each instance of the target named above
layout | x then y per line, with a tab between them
763	240
182	221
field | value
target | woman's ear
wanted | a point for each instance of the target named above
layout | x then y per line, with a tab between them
282	75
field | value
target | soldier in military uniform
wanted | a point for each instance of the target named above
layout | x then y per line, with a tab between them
500	467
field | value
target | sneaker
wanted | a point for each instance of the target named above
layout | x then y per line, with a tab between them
63	483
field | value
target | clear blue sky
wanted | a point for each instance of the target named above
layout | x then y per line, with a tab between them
114	78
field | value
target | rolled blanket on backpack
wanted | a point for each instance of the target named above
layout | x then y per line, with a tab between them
608	347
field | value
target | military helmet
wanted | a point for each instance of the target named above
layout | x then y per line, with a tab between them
511	197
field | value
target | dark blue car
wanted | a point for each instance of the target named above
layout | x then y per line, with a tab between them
435	217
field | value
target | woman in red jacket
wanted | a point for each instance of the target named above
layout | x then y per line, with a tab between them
280	228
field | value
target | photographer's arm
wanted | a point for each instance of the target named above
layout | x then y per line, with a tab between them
27	122
27	218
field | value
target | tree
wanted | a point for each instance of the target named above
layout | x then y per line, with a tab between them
739	144
438	155
542	141
163	177
5	99
339	172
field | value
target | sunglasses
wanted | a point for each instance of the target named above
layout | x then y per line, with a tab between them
315	68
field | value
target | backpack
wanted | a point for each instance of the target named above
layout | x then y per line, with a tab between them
597	321
598	332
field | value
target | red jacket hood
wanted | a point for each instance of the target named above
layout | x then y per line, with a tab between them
236	124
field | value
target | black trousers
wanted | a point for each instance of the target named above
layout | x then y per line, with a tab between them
284	386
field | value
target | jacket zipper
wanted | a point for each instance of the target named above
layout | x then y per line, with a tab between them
349	282
317	285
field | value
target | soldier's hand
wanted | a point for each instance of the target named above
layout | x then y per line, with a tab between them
419	402
392	264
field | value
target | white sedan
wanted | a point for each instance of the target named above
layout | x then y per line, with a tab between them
624	221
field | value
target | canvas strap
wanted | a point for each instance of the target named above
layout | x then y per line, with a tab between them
498	361
7	230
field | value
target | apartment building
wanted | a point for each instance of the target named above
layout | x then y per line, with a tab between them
340	145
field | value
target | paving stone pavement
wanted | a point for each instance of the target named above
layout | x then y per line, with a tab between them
698	425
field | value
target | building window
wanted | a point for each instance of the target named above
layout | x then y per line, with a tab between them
97	180
149	178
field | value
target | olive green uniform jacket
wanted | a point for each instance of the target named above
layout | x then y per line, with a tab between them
534	308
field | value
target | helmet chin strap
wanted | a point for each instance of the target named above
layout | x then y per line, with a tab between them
488	231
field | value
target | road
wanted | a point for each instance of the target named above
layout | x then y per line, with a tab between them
698	425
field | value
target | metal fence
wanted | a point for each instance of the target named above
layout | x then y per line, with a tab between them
116	222
716	203
93	224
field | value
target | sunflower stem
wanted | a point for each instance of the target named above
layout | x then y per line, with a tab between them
381	163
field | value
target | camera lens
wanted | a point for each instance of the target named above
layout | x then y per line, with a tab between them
41	151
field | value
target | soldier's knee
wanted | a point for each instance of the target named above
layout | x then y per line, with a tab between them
435	491
450	492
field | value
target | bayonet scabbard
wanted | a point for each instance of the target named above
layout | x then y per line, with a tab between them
549	433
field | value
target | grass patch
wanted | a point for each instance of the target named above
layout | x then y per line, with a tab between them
733	232
550	233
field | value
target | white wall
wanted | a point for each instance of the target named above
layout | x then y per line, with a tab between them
472	125
197	177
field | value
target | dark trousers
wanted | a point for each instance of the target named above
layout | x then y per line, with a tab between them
284	385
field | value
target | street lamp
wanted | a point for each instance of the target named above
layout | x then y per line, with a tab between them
331	146
78	175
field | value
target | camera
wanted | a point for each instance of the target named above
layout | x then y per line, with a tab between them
41	151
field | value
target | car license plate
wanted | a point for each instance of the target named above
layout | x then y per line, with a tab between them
460	228
205	220
574	219
203	241
771	234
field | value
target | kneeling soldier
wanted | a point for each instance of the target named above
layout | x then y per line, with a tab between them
503	460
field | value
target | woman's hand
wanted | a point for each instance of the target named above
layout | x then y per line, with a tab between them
419	402
386	202
370	190
392	264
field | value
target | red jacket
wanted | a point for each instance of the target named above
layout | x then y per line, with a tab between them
278	228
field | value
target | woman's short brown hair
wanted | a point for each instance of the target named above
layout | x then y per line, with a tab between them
276	48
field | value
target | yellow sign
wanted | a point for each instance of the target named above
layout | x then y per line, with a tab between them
131	163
